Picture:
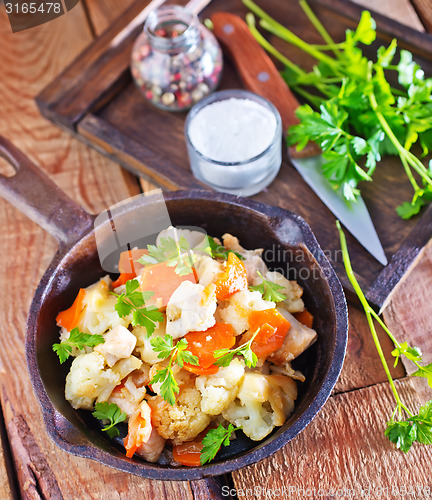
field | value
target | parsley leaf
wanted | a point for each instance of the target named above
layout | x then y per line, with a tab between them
426	372
269	290
111	412
76	339
412	353
219	251
416	428
176	353
225	356
132	301
174	252
213	441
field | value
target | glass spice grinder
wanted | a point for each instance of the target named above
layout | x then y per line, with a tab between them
176	61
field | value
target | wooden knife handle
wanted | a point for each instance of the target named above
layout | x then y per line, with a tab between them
257	70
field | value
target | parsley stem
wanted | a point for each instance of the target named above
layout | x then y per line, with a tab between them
368	310
403	153
320	28
269	47
288	36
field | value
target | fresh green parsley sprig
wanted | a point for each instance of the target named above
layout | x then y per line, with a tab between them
176	353
219	251
76	339
132	301
172	251
214	440
416	427
269	290
225	356
111	412
356	116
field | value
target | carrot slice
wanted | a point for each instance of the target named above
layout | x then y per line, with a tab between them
305	317
273	329
204	344
128	261
188	453
69	318
139	430
163	281
234	278
122	279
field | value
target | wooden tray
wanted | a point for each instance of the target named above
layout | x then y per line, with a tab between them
96	100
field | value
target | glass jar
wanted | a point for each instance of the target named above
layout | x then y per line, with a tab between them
176	61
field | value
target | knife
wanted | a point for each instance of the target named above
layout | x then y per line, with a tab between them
261	76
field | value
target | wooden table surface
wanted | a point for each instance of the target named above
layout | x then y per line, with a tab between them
343	449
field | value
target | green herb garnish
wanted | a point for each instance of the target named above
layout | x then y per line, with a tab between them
174	252
213	441
111	412
225	356
76	339
132	301
355	115
177	353
416	427
269	290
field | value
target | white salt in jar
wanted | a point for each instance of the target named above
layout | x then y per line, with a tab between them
234	142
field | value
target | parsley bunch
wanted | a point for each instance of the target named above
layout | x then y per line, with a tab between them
225	356
269	290
213	441
355	115
172	251
111	412
132	301
416	427
176	353
76	339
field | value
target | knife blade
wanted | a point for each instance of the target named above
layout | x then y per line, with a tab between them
261	76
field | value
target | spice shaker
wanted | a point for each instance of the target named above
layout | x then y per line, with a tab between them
176	60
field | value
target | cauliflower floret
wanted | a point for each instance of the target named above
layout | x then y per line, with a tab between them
252	258
291	289
297	340
190	308
99	314
208	269
263	402
119	343
143	346
183	421
88	379
240	305
219	389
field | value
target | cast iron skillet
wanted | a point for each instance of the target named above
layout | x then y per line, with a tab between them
76	264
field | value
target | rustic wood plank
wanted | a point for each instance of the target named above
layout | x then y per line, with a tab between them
30	60
345	448
424	12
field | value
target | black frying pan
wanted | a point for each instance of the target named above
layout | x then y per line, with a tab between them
76	264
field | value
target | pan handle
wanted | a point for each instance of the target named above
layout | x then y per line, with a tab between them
40	199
